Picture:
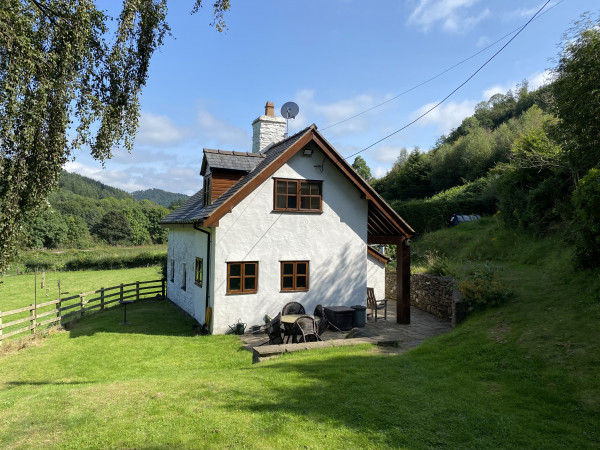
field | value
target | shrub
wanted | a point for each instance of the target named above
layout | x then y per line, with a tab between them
481	288
437	264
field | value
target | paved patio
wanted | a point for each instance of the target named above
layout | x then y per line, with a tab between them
387	334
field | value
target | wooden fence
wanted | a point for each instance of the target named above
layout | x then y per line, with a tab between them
62	310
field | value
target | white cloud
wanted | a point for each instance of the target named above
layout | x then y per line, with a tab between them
451	14
328	114
497	89
483	40
446	116
158	131
539	79
387	154
221	132
379	172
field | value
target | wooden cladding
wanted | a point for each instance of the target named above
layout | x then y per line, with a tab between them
222	181
297	195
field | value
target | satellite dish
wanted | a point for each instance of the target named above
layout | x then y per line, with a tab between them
289	110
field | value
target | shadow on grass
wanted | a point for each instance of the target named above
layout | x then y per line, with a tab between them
148	316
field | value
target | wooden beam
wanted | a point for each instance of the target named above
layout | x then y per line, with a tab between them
403	283
375	239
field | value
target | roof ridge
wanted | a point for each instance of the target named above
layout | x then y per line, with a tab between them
275	144
233	153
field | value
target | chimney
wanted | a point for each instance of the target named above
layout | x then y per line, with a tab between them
267	129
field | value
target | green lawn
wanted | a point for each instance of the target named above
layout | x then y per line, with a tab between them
19	291
521	376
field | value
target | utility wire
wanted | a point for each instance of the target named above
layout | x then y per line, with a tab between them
456	89
438	75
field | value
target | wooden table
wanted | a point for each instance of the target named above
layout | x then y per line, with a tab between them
291	318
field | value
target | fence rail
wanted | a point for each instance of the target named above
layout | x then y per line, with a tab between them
64	309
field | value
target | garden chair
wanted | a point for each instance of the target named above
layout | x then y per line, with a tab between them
323	322
305	330
375	305
293	308
273	329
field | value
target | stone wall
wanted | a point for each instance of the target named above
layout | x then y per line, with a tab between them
431	293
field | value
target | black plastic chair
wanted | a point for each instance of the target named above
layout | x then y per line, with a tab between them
305	330
293	308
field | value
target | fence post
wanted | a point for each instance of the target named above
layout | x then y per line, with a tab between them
162	282
32	316
101	298
82	303
0	327
137	290
121	298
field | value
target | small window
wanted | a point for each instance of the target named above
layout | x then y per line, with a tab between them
242	277
294	276
198	272
297	195
172	271
184	280
207	190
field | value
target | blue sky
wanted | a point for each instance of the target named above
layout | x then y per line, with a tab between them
334	58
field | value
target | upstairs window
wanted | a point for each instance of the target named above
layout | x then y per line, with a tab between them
294	276
207	190
242	277
298	195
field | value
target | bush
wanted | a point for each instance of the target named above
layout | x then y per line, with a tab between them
586	200
481	288
437	264
433	213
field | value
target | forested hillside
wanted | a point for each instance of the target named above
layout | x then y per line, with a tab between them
531	157
160	197
85	212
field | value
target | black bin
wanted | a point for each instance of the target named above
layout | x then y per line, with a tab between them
360	315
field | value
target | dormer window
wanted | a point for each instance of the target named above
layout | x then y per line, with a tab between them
297	195
207	190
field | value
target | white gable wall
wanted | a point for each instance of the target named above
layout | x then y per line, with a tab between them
185	244
376	276
334	242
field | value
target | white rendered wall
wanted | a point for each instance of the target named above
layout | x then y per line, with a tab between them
376	276
334	242
266	130
185	244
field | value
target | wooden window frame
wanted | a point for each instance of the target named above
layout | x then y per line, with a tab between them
198	272
294	287
298	195
172	270
184	278
242	278
207	193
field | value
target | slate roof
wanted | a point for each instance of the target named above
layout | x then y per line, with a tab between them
192	210
222	159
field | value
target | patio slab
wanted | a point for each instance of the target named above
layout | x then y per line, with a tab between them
394	337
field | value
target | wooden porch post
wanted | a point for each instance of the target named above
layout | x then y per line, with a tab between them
402	282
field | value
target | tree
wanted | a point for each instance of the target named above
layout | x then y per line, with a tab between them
360	165
114	228
66	82
577	94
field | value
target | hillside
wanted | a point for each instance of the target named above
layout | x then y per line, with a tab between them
87	187
160	197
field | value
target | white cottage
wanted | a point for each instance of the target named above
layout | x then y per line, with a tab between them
290	221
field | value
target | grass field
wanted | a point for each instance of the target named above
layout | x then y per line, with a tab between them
19	291
524	375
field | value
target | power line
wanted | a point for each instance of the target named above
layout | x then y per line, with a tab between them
456	89
439	74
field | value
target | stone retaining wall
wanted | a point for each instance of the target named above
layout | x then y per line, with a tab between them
431	293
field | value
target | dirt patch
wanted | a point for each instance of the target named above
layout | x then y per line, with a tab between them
499	333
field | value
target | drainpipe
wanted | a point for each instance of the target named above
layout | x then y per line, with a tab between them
207	268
